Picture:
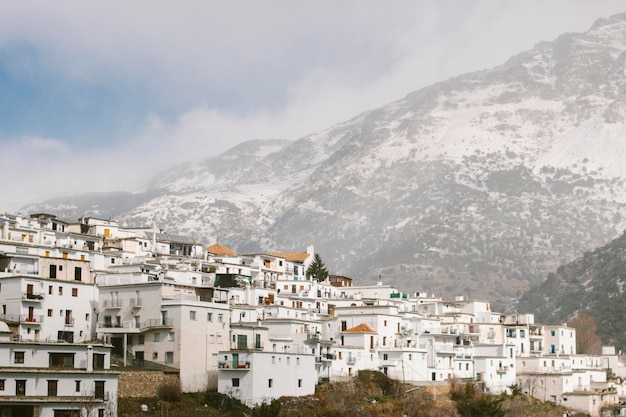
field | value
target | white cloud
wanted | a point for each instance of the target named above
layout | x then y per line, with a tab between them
245	70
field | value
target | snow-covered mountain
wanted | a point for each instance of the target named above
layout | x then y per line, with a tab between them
477	185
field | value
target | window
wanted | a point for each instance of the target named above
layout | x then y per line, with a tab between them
141	339
99	391
52	387
155	355
157	337
60	290
77	386
169	357
78	273
552	333
209	317
49	312
385	356
235	382
170	337
50	289
53	271
2	384
299	383
273	359
98	361
61	360
18	357
74	292
220	318
192	315
270	382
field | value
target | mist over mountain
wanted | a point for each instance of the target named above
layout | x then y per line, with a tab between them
479	185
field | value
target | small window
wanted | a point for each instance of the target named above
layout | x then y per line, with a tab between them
49	312
235	382
19	357
299	383
169	357
192	315
60	290
220	318
170	336
270	382
52	387
74	292
2	384
209	317
155	355
77	386
50	289
157	337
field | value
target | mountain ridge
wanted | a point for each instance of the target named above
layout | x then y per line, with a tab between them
480	184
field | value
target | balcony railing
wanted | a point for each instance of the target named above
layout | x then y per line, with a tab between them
351	360
148	324
233	365
32	296
136	302
25	318
69	321
112	303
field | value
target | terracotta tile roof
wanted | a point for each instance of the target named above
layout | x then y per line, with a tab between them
291	256
218	249
361	328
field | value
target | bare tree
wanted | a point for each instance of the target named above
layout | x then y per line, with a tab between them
588	339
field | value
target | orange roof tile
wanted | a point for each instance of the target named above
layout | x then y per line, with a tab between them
218	249
291	256
361	328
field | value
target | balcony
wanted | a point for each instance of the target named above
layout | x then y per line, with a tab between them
110	304
25	318
329	356
136	302
69	321
312	338
34	297
351	360
502	369
234	366
133	327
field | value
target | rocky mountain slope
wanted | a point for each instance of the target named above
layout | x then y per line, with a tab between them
594	284
478	185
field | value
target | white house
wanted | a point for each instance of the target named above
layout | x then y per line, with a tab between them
55	379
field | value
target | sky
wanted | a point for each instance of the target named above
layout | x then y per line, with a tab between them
101	96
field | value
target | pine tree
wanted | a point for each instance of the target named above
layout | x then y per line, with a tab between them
317	269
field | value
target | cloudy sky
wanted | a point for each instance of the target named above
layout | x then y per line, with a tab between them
100	95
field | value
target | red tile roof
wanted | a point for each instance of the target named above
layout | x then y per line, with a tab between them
291	256
361	328
218	249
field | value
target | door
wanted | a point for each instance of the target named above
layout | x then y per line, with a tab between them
20	387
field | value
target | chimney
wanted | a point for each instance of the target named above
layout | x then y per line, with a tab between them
89	358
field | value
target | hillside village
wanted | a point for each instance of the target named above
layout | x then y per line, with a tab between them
86	302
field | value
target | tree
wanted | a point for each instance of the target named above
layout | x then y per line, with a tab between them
588	339
317	269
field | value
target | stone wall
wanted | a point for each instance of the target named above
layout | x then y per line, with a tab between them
143	384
